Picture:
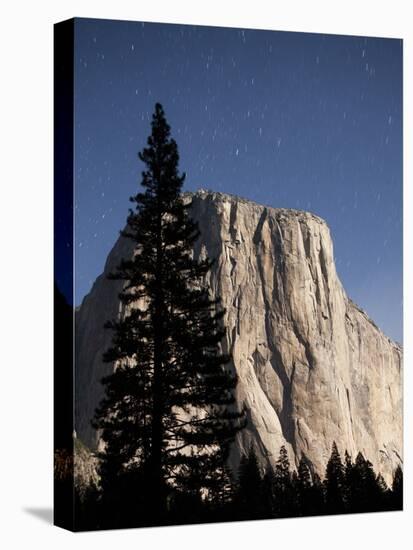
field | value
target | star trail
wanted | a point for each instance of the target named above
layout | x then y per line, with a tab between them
292	120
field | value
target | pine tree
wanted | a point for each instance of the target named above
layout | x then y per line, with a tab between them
335	483
363	490
221	494
381	484
295	500
304	487
317	496
283	464
169	402
283	489
397	489
249	498
349	481
383	492
268	491
304	474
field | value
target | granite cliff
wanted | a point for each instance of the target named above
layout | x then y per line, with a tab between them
313	368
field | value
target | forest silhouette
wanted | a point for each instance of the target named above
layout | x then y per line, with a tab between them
253	493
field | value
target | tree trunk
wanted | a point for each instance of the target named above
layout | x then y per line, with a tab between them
156	483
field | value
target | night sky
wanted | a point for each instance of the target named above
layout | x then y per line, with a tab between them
293	120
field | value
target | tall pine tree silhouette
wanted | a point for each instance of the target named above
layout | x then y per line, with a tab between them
249	496
335	483
304	486
365	494
169	403
283	486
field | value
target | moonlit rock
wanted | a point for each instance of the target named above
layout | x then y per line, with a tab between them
312	367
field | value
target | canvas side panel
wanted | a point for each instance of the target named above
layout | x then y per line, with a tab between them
64	514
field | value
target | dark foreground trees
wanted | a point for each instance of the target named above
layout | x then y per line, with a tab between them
168	415
281	492
255	492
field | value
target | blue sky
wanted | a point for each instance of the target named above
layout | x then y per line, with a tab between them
294	120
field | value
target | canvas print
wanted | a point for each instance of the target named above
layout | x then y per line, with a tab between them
228	274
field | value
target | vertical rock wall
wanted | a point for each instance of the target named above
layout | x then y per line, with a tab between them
312	367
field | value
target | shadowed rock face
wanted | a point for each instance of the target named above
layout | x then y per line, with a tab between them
312	367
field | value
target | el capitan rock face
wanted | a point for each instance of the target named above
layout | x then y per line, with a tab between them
312	367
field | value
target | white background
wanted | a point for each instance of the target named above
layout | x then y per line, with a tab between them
26	102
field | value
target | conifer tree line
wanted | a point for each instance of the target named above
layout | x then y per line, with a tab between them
351	486
169	414
254	493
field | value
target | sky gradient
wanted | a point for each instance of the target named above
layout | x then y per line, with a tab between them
292	120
